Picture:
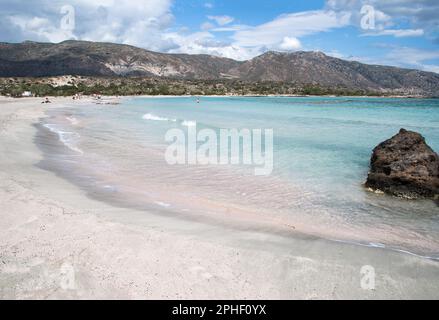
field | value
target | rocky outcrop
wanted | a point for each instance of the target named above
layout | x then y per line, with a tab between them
405	166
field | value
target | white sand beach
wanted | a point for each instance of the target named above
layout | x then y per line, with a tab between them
57	243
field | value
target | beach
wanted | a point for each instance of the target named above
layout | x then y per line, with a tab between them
58	242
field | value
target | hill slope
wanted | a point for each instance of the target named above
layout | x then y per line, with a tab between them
318	68
31	59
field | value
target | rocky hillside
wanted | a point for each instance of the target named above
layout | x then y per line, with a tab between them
31	59
318	68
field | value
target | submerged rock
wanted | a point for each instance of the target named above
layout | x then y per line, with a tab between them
405	166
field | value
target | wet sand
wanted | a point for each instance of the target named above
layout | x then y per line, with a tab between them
58	243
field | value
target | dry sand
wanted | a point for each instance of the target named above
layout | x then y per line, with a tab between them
56	243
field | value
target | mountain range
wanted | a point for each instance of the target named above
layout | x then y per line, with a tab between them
82	58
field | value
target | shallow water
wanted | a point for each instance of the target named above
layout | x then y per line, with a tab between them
322	148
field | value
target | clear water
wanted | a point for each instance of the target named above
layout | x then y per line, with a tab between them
322	149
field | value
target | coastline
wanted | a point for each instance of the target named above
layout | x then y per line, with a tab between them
279	96
48	223
69	98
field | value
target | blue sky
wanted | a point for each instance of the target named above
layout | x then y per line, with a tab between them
392	32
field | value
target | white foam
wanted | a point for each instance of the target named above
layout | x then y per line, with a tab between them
110	188
73	120
69	139
377	245
382	246
152	117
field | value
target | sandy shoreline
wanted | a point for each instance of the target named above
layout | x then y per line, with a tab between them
55	242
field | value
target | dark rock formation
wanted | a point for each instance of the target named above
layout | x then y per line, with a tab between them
405	166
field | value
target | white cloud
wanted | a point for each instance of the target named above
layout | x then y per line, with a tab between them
40	28
398	33
143	23
412	56
431	68
207	26
405	57
290	44
136	22
282	33
419	14
206	43
231	28
290	25
221	20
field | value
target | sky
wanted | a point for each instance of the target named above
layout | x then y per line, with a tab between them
402	33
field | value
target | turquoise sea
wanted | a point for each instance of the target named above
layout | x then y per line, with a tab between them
322	149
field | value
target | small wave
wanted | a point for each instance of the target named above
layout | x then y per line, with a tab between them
162	204
189	123
73	120
69	139
377	245
152	117
383	246
110	188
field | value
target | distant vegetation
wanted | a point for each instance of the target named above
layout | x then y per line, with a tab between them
69	86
